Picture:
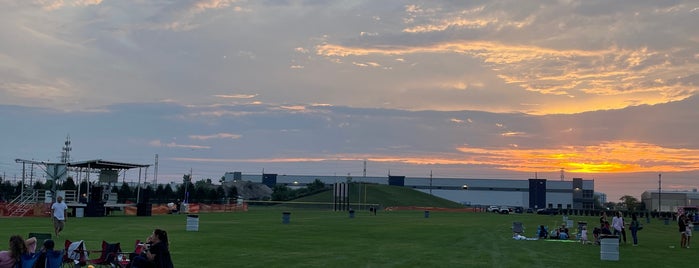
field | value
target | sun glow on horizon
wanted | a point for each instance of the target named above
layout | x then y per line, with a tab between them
611	157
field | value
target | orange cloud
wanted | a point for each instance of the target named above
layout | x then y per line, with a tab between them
611	157
590	76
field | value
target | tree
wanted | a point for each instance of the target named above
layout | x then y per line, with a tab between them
168	193
315	186
233	192
282	193
69	184
125	193
220	192
629	202
160	194
609	206
596	203
38	185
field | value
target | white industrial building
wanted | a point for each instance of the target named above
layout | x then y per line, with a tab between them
532	193
655	200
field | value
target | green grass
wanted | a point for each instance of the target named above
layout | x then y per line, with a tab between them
322	238
386	196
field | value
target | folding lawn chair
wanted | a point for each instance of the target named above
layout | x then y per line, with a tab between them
108	254
75	253
517	228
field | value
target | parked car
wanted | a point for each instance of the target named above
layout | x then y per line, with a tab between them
530	210
505	210
493	209
519	210
547	211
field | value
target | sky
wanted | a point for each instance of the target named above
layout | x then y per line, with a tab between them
603	90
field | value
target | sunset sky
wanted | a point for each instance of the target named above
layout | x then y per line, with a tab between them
603	90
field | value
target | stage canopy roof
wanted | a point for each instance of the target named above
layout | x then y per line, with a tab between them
103	164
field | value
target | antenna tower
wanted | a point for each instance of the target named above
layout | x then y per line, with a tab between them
65	153
562	174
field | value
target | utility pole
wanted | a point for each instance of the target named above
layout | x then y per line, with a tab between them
364	168
659	191
430	182
155	175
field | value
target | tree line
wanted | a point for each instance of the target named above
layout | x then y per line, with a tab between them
202	191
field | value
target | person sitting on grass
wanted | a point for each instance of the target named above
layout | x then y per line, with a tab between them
563	232
47	249
542	233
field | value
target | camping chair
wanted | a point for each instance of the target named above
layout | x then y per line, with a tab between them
108	256
517	228
138	249
129	256
75	253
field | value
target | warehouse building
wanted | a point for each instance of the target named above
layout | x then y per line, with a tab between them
655	200
532	193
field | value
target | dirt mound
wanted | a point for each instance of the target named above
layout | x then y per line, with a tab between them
250	190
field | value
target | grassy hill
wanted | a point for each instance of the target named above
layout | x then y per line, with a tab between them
385	196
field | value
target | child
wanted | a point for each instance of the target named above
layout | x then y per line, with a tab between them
688	231
583	235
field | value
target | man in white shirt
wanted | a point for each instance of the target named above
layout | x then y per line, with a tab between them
617	224
59	215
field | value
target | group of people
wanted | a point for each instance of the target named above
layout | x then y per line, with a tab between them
561	233
156	253
617	227
685	226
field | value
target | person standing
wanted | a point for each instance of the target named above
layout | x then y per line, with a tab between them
634	229
59	215
623	226
688	231
682	224
617	225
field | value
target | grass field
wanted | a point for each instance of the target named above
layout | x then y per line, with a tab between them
321	238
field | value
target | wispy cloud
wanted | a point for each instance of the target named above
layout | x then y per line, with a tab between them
182	15
51	5
215	136
600	73
158	143
237	96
